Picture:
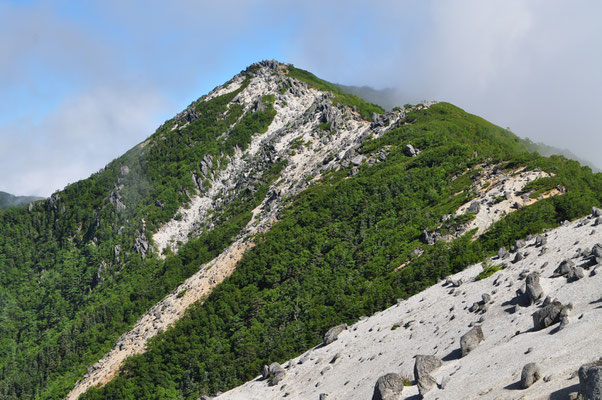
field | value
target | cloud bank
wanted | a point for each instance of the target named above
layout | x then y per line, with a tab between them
83	83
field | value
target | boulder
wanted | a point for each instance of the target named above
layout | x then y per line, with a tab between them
520	243
534	290
471	339
530	374
410	151
540	240
502	253
424	365
518	257
597	251
357	160
388	387
549	315
564	268
474	207
596	212
333	334
575	273
276	373
590	380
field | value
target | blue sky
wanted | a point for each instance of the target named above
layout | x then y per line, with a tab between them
83	81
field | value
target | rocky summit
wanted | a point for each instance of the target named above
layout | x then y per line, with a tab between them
281	237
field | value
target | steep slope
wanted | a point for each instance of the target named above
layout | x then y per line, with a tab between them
247	225
336	251
433	321
9	200
80	268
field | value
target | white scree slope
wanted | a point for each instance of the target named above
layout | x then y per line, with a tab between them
432	322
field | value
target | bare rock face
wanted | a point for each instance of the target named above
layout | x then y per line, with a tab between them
530	374
471	339
534	290
333	334
388	387
551	314
590	380
424	365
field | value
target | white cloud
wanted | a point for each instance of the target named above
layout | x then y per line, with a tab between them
79	138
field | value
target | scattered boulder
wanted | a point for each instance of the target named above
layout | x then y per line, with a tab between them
596	212
410	151
502	253
597	251
564	268
550	314
333	334
274	373
453	282
590	380
357	160
520	244
534	290
474	207
471	339
388	387
424	365
540	241
530	374
575	273
518	257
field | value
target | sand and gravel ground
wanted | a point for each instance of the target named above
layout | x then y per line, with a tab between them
433	321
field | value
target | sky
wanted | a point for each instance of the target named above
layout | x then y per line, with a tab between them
81	82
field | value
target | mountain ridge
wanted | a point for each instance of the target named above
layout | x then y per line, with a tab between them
277	148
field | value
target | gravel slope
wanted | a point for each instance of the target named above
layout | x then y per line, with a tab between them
433	321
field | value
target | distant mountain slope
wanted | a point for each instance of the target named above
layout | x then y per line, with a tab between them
386	98
248	224
9	200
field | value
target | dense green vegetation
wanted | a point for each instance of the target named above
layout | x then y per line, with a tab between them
71	280
364	108
335	255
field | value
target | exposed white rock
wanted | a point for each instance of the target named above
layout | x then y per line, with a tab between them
500	196
296	120
432	322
